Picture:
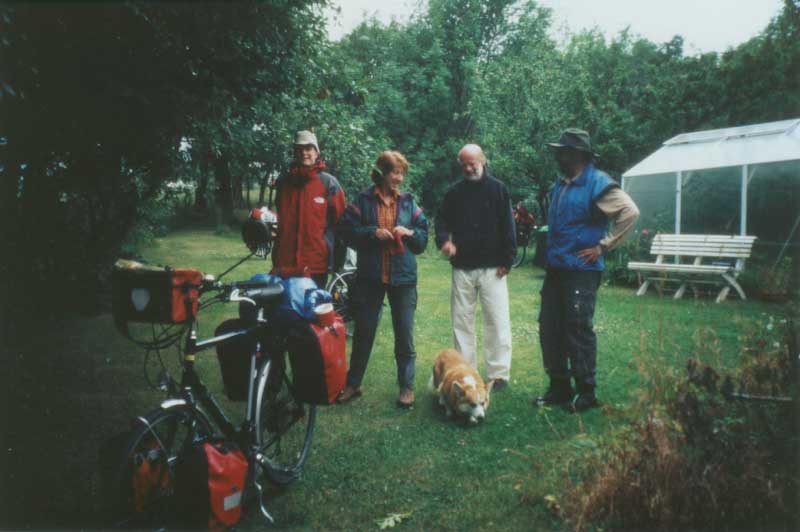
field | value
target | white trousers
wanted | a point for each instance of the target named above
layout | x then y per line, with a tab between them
466	287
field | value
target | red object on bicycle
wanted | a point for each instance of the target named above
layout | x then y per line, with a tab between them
154	294
209	483
150	476
319	362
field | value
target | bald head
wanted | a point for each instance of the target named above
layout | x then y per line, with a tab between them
472	161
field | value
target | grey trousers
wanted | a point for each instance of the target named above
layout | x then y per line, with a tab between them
367	302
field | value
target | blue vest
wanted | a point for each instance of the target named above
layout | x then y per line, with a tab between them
574	222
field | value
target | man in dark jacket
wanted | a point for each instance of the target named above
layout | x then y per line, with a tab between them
582	202
309	203
475	229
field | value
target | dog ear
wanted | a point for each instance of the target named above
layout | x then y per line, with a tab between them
458	390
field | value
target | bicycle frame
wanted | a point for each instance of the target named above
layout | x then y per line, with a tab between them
193	391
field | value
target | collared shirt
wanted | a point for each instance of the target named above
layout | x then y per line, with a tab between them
387	216
618	206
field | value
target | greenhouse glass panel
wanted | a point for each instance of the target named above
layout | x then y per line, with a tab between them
655	197
711	200
773	205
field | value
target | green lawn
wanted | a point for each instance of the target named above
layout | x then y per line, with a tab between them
80	382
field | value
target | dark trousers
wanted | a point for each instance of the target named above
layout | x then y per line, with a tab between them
566	328
367	301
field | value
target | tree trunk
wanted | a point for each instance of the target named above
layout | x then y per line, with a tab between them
224	191
236	190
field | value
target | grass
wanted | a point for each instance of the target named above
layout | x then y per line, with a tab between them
80	382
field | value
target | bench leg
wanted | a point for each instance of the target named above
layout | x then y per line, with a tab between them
732	281
723	294
679	293
643	288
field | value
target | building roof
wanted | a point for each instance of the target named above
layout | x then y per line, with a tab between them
717	148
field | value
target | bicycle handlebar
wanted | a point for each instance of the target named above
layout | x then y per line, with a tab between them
242	290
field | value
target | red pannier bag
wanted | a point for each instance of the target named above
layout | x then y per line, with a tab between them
318	356
150	477
154	294
209	485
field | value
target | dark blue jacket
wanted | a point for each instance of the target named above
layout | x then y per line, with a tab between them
357	229
574	221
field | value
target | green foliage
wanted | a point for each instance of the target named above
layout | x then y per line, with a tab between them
95	100
695	458
95	96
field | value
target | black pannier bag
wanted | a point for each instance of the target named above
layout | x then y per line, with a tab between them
234	359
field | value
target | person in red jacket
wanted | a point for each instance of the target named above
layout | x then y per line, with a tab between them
309	202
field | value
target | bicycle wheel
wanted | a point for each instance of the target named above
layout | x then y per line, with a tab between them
521	250
339	287
284	424
141	493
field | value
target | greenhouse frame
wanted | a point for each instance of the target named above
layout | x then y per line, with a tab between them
703	182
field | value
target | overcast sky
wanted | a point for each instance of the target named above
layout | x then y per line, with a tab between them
706	25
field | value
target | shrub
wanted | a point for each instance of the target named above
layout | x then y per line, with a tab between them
636	248
696	460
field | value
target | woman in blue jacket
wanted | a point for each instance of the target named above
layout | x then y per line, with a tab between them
386	228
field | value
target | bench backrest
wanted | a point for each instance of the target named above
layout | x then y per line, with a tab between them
732	246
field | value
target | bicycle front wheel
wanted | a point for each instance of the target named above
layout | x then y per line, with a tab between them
142	489
284	424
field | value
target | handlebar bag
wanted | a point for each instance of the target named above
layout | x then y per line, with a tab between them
154	294
209	481
318	358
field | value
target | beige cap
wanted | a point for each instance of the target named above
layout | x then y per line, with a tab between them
306	138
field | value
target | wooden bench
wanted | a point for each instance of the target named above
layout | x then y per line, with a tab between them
729	248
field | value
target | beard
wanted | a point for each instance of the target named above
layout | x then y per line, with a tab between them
565	169
473	176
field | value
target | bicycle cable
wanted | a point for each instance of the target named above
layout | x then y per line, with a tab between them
226	272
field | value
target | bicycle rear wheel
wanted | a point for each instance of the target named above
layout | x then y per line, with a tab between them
142	489
284	424
521	250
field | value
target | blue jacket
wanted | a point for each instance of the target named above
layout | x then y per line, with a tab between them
574	221
357	229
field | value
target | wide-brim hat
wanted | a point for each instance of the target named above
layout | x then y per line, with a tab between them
306	138
574	138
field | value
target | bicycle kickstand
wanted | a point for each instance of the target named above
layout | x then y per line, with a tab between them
261	506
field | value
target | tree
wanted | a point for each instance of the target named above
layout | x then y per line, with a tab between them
95	101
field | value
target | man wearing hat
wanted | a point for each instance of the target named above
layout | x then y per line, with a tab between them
583	200
309	203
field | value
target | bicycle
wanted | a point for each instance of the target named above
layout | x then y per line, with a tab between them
341	286
525	224
275	435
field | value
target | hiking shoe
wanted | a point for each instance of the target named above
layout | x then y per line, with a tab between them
348	394
582	402
555	395
499	384
406	398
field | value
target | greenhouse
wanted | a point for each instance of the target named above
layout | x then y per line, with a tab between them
734	181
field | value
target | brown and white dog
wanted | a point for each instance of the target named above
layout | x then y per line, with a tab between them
460	388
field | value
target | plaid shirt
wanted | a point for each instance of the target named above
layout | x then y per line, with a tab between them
387	216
